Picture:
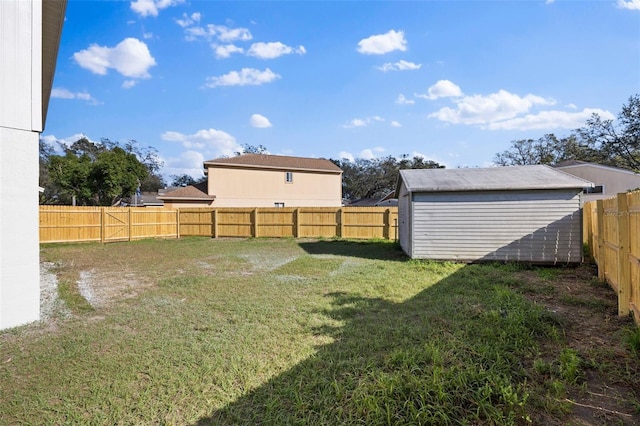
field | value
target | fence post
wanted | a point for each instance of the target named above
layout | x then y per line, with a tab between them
103	222
296	223
624	270
601	248
340	223
130	223
586	226
214	214
255	223
177	223
387	224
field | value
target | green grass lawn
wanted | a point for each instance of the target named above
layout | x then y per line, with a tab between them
282	332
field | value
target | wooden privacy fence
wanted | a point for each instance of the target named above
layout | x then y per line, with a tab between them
107	224
612	232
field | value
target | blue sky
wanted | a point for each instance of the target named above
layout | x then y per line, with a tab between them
453	81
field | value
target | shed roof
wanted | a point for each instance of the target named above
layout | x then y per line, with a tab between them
283	162
511	178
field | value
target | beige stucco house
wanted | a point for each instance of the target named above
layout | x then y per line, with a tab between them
608	181
259	180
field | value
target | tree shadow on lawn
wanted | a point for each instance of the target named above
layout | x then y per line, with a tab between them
366	249
452	354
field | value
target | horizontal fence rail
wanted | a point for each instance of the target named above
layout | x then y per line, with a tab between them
612	233
109	224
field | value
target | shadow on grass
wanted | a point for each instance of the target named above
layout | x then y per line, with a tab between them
366	249
452	354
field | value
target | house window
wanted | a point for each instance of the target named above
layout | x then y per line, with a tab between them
288	177
279	205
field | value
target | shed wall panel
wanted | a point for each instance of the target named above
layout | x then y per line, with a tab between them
533	226
404	207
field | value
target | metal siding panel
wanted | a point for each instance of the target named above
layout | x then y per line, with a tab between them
535	226
403	220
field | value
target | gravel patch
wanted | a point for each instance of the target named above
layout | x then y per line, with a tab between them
85	287
50	304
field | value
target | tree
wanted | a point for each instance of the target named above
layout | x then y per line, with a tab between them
94	173
619	143
150	158
251	149
116	174
186	180
375	178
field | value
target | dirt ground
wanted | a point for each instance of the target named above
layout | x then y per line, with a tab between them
606	392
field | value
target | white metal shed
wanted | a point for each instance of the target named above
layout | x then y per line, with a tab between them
519	213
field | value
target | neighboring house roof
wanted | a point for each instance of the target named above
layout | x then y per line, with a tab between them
191	192
364	202
280	162
489	179
571	164
387	200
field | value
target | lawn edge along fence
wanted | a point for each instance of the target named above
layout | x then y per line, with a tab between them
612	233
109	224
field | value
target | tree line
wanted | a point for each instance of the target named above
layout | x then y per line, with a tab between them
108	173
599	141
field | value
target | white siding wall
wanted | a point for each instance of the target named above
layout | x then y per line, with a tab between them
20	122
531	226
404	225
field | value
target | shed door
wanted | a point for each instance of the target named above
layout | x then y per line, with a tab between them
530	226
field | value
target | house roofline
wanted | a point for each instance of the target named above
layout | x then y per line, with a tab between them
599	166
163	197
262	167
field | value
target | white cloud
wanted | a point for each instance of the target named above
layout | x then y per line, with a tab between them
188	20
346	156
479	109
383	43
147	36
215	142
128	84
571	106
259	121
224	51
549	1
131	58
395	123
62	93
220	32
367	154
402	100
151	7
548	120
362	122
188	162
400	66
629	5
273	50
370	154
356	122
244	77
442	89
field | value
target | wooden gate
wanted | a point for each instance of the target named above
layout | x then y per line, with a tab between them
116	224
